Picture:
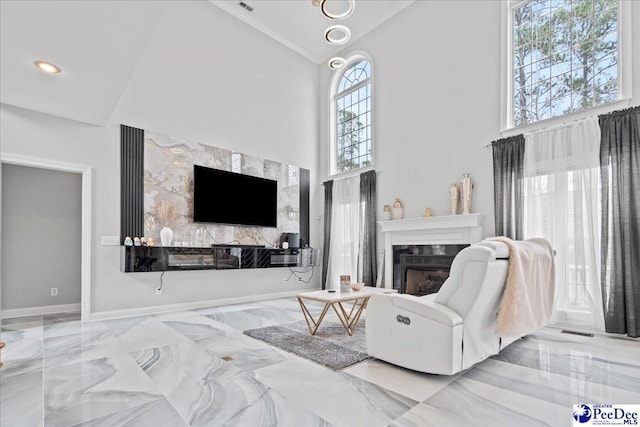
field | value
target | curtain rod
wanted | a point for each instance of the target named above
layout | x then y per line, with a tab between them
349	175
570	122
550	127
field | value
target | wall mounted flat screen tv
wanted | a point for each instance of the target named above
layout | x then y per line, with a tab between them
224	197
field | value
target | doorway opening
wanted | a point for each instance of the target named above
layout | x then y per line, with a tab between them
85	227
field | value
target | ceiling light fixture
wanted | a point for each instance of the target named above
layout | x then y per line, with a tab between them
336	63
337	34
47	67
332	15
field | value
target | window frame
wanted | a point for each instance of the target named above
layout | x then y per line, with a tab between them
333	128
624	66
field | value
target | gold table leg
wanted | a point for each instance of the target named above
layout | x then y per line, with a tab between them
309	318
349	319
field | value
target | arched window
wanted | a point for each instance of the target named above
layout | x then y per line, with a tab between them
352	116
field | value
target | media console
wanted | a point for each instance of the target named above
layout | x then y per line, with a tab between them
136	259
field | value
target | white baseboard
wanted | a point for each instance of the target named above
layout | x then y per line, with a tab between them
158	309
37	311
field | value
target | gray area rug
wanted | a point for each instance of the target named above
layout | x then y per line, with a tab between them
331	346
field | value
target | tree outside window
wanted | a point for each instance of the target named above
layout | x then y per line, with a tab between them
353	118
565	57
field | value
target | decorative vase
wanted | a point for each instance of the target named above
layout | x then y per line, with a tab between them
466	186
166	235
386	213
396	212
453	197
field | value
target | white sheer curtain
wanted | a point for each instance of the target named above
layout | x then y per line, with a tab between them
562	205
345	231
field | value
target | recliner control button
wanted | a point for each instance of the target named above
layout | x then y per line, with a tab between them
402	319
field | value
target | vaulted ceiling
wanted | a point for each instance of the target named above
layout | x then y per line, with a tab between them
99	45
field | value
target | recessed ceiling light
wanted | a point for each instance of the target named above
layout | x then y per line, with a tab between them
47	67
176	150
337	34
337	63
337	15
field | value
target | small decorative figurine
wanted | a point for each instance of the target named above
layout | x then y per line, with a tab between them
386	213
128	241
151	242
143	241
427	213
136	241
396	213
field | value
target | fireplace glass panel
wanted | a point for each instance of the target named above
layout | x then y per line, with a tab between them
422	269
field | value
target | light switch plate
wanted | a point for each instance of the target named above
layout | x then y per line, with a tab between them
110	241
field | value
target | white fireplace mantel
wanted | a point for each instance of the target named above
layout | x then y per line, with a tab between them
435	230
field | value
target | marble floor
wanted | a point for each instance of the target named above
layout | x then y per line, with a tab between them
197	368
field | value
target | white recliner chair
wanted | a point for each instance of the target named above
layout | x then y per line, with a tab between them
446	332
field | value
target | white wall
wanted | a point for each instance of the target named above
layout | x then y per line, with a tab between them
437	102
41	218
207	77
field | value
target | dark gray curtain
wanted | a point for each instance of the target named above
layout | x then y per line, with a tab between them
367	261
508	185
620	176
328	203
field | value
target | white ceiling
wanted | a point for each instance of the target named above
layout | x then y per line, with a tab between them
99	44
300	26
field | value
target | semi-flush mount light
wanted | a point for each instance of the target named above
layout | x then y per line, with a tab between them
337	34
47	67
337	63
333	15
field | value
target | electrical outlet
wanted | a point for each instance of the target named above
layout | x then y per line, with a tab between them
158	291
110	241
54	292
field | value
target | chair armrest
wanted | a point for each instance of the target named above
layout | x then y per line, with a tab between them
427	307
414	332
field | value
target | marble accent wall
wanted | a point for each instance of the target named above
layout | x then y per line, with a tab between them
168	192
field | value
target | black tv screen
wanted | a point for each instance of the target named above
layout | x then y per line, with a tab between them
231	198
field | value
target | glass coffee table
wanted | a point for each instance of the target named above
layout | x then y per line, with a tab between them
350	316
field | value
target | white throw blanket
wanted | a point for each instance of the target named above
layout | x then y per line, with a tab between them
527	301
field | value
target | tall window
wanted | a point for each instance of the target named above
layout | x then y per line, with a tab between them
352	97
564	56
562	204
